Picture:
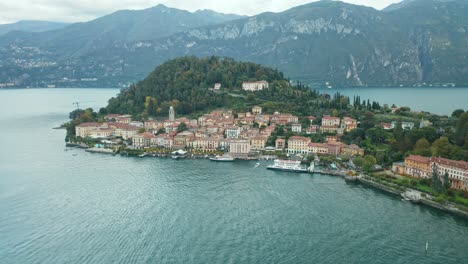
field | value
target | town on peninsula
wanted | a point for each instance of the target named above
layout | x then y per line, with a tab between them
226	110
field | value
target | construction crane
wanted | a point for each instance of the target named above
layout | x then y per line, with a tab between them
78	104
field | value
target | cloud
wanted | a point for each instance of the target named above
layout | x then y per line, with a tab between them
84	10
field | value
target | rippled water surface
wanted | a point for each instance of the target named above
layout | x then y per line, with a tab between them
58	207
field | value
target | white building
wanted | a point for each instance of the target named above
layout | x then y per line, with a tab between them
404	125
233	132
296	127
255	86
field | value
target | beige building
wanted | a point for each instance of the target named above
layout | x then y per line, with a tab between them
318	148
280	144
298	145
142	140
330	121
239	148
258	143
256	110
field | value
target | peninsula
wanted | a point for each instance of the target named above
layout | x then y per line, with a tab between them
250	112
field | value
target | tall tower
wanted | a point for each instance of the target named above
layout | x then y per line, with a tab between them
171	114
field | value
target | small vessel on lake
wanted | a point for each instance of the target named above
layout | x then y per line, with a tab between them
288	165
224	158
257	165
179	154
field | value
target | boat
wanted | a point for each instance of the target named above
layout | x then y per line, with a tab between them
257	164
224	158
288	165
411	196
179	154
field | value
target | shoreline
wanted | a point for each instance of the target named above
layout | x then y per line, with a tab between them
364	180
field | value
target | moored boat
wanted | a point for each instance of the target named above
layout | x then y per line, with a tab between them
288	165
224	158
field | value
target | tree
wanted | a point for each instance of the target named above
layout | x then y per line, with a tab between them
457	113
161	131
436	183
359	161
182	127
447	184
441	148
461	129
369	163
75	114
141	130
422	147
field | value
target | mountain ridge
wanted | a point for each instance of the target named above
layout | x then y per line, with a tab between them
318	43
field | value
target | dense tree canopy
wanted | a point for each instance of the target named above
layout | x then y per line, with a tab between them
184	83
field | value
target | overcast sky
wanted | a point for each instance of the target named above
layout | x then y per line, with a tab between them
85	10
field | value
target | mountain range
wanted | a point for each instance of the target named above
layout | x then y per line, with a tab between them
321	43
31	26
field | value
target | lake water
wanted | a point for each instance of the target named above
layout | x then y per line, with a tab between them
441	101
59	206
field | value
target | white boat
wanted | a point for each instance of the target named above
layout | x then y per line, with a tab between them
257	164
288	165
224	158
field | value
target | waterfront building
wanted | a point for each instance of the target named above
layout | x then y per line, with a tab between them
84	130
258	143
318	148
255	86
457	172
298	145
143	140
205	144
418	166
239	148
399	168
181	140
280	144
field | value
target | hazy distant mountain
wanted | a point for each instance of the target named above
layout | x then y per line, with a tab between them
31	26
325	41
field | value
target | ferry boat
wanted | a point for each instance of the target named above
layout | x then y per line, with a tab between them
288	165
224	158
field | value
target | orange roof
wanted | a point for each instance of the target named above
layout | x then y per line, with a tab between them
419	159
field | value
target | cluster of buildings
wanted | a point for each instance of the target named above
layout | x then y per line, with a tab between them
242	135
304	145
423	167
331	124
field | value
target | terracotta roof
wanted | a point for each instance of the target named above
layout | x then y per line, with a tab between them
297	138
93	124
417	158
453	163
